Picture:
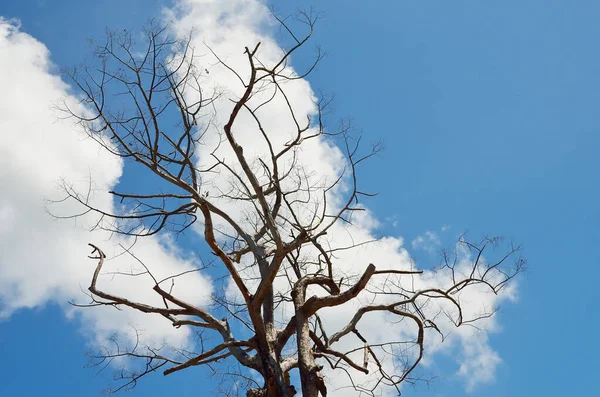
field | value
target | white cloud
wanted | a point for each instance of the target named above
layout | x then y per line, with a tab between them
43	259
429	242
479	362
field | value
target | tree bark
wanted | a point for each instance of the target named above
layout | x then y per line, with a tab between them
310	375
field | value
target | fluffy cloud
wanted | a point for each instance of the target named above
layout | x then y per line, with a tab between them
43	259
429	242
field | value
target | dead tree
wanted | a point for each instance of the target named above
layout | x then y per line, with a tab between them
132	98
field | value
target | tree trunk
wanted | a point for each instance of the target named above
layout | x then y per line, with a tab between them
310	375
275	382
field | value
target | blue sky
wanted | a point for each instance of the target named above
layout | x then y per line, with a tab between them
488	111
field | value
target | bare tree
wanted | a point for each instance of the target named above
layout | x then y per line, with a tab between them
133	97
